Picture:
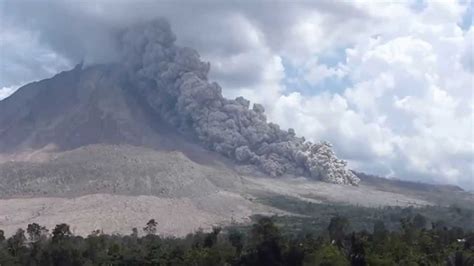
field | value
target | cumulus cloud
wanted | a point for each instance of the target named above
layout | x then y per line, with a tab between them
409	110
405	104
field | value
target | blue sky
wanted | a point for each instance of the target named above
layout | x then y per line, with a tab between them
295	75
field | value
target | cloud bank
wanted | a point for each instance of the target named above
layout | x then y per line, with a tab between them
394	96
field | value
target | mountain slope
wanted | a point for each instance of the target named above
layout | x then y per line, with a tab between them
119	169
77	108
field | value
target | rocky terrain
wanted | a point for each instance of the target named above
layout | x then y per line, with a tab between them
119	169
120	213
115	188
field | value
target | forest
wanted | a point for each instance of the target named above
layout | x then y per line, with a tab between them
417	241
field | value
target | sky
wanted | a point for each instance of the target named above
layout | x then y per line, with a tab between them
389	83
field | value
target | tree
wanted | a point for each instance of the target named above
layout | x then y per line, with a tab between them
295	253
420	221
266	237
134	232
16	242
337	228
460	258
357	255
236	240
328	255
380	232
264	244
211	238
150	228
61	232
36	232
2	236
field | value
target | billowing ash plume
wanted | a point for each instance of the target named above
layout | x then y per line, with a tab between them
175	83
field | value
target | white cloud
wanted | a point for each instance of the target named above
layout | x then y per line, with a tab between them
411	102
24	58
316	72
7	91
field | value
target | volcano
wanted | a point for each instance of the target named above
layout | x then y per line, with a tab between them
156	90
149	136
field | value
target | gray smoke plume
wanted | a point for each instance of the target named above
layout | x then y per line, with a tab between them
175	83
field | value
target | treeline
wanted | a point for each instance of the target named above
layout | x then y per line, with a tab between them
315	217
264	243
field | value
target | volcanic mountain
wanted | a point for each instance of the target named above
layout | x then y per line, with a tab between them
158	89
149	136
77	108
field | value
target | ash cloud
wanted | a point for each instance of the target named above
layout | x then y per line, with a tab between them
83	30
174	81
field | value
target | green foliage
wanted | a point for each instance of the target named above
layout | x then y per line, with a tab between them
328	255
61	232
337	228
264	243
316	217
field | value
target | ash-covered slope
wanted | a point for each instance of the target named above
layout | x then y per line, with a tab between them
115	169
77	108
156	84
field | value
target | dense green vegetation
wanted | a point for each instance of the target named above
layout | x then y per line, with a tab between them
314	218
263	243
